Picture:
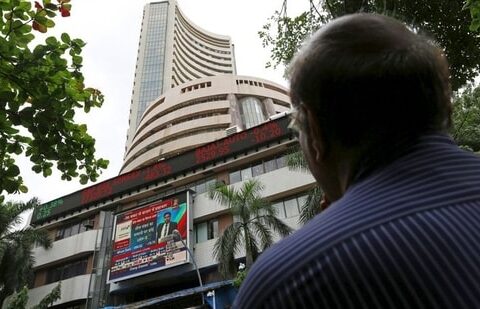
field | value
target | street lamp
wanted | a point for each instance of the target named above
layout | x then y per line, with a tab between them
176	233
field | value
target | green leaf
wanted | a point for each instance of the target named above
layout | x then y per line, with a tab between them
12	171
51	41
47	172
49	23
51	6
23	189
77	60
65	38
83	179
37	168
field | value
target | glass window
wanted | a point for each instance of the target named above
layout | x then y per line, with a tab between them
291	207
202	232
270	165
201	187
212	229
246	173
301	201
210	184
75	229
257	169
67	232
235	177
281	161
59	234
279	209
251	112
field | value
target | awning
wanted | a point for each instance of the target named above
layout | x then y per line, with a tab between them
174	295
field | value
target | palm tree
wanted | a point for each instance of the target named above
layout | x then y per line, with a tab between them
312	205
253	230
16	259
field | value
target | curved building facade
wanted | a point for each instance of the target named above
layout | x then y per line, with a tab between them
172	50
199	112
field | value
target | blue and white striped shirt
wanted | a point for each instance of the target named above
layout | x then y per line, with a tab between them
407	236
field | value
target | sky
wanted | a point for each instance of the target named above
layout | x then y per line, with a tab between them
111	29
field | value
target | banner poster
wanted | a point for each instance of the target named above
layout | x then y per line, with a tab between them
144	240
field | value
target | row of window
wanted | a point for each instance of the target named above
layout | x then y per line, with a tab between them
258	168
196	54
67	270
196	86
179	106
289	207
74	228
173	123
178	38
285	208
170	138
189	30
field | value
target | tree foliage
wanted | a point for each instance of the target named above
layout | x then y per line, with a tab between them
446	21
20	299
474	7
16	260
41	89
254	229
312	204
466	118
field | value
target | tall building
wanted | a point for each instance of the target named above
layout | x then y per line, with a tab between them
172	50
193	123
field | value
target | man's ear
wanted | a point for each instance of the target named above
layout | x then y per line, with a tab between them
315	137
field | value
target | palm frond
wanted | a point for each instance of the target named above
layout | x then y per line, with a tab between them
251	246
277	225
225	248
263	233
296	160
251	189
224	195
311	207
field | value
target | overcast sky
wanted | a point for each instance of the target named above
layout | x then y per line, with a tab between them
111	30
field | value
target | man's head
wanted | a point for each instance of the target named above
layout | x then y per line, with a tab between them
167	216
363	81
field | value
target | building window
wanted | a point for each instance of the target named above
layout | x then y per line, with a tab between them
206	230
258	168
235	177
67	270
73	228
203	185
289	207
251	112
280	210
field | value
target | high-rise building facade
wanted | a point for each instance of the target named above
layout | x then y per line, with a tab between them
172	50
193	123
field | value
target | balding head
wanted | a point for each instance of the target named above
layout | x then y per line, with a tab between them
368	78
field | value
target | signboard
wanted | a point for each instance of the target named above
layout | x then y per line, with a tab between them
209	153
144	240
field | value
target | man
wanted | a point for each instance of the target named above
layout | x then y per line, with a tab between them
372	103
167	227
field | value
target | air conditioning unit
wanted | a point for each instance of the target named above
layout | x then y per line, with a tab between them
232	130
279	115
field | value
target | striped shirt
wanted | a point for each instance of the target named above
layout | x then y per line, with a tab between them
407	236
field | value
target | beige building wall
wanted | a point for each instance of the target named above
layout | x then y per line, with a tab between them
199	112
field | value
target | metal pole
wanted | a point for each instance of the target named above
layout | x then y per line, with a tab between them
177	233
